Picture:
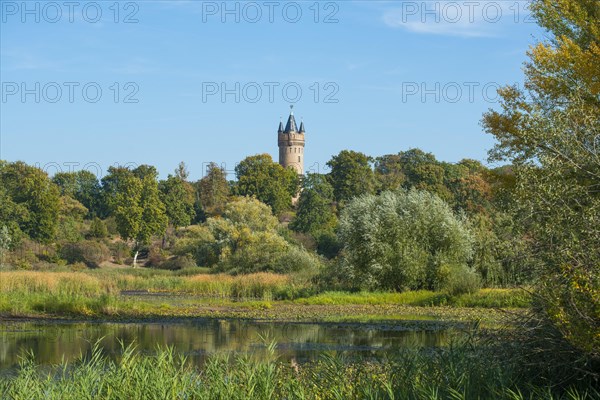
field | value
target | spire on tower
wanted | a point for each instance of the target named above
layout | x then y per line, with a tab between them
291	122
301	126
280	130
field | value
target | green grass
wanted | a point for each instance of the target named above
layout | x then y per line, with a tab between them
487	298
461	371
98	293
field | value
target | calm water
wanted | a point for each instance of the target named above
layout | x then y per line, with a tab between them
303	341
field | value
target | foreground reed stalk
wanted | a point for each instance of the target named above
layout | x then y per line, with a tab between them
462	371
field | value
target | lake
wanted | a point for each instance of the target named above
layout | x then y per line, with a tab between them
51	342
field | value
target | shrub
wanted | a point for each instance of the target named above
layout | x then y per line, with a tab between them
120	251
178	263
399	240
90	252
156	257
199	243
328	244
98	229
296	260
459	280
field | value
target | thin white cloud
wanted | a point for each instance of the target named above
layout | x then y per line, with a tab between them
456	18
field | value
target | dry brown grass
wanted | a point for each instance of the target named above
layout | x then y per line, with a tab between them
70	283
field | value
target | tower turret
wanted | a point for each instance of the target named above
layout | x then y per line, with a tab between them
291	144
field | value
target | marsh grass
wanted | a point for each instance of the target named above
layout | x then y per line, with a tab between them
461	371
486	298
98	292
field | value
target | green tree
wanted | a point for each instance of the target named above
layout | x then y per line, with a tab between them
315	212
12	215
549	131
403	240
213	190
268	181
135	203
351	175
5	241
84	187
70	222
424	172
34	199
389	172
98	229
178	197
245	239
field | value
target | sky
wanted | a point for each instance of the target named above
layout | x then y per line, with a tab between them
88	85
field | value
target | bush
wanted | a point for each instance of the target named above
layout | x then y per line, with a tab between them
178	263
459	280
98	229
296	260
120	252
90	252
328	244
199	243
156	257
399	240
245	240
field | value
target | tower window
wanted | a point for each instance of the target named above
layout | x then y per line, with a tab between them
298	158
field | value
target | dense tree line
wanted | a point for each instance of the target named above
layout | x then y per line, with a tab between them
134	204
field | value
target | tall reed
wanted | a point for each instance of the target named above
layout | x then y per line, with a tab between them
459	372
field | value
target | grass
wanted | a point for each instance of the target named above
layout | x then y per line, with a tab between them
461	371
486	298
136	293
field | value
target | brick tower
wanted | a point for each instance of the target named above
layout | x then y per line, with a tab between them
291	144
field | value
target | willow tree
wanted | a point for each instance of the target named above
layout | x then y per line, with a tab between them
404	240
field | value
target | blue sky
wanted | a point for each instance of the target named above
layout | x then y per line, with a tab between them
376	77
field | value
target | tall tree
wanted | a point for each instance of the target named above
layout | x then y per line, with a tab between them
178	197
83	186
33	198
351	175
213	189
135	202
389	172
315	211
268	181
550	131
182	171
154	217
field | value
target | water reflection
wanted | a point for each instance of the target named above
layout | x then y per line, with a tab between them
52	342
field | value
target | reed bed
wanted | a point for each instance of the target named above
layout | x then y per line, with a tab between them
63	283
98	292
459	372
